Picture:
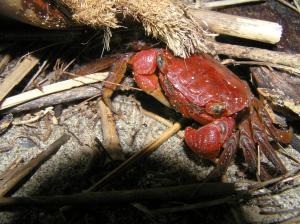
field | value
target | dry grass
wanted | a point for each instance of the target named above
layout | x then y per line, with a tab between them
163	19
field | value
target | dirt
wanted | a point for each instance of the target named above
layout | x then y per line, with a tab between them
70	170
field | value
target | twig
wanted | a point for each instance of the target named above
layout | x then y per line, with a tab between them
187	207
6	122
295	71
52	88
278	211
161	120
21	173
4	61
292	220
281	179
37	116
223	3
258	163
35	75
111	141
67	96
185	192
297	4
136	157
10	168
284	152
289	5
20	71
256	54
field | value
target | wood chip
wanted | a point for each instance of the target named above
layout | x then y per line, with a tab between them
16	76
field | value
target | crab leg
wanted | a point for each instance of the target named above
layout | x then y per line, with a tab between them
118	63
246	143
260	137
98	65
283	136
115	77
226	157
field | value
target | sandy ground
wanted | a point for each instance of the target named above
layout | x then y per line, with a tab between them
170	164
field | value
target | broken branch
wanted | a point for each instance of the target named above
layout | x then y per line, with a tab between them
67	96
185	192
257	54
52	88
238	26
20	173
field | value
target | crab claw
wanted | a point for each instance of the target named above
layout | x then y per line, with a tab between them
208	140
144	65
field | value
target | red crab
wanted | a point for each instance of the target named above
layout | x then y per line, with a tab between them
204	90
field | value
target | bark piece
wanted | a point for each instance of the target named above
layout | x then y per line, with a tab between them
16	76
279	88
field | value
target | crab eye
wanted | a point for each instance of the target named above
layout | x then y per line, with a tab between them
215	108
218	108
160	61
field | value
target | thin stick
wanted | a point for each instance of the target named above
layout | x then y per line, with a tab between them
292	220
79	93
258	161
289	5
136	157
295	71
35	75
11	167
257	54
297	4
52	88
34	118
4	61
185	192
284	178
111	141
6	122
20	71
161	120
193	206
222	3
283	151
21	173
279	211
157	117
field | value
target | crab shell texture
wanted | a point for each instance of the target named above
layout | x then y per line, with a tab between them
198	87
